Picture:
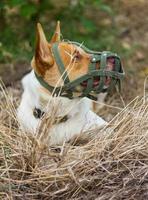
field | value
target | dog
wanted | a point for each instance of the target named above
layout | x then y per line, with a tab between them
68	117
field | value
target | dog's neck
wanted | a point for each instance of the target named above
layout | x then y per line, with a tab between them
42	99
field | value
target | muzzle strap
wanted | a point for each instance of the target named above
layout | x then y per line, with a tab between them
103	63
60	63
92	67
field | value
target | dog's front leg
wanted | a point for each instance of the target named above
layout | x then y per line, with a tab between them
93	121
25	114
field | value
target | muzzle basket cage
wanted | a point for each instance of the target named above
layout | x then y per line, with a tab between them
69	87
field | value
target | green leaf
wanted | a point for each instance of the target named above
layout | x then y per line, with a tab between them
2	5
28	10
14	3
106	9
97	3
88	24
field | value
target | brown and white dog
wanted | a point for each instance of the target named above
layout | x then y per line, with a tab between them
76	114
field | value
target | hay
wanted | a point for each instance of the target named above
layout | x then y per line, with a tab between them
111	165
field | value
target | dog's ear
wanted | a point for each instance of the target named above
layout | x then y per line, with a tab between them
57	34
43	58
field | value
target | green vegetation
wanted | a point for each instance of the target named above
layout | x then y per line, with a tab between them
91	22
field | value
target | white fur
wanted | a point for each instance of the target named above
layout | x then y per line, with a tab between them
80	116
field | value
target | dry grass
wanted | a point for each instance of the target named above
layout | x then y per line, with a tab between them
110	166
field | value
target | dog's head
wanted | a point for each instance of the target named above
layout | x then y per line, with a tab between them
75	59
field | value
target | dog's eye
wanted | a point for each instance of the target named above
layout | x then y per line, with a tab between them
77	56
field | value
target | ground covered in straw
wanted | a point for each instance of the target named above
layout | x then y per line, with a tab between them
112	165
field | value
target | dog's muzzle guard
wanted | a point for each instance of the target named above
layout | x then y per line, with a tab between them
69	87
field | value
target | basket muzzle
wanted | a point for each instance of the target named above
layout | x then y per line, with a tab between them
97	80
